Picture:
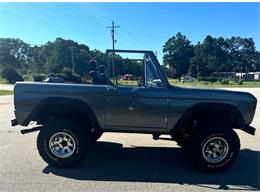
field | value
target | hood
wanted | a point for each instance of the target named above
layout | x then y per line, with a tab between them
210	94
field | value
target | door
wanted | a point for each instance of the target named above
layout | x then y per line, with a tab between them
136	107
141	106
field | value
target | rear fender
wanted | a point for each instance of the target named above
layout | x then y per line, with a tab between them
61	106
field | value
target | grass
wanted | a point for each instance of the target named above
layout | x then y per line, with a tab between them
5	92
246	84
127	82
3	81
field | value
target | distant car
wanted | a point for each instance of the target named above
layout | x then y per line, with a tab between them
188	79
54	80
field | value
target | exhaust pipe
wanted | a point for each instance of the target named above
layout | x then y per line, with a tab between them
25	131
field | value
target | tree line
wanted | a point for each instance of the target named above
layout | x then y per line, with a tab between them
210	57
55	58
181	57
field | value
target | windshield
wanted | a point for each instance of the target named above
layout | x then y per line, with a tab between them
152	76
134	69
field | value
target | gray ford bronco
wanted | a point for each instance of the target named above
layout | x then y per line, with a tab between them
71	117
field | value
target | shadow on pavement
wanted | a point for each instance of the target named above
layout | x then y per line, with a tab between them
109	161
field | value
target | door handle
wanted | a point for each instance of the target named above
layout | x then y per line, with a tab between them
131	108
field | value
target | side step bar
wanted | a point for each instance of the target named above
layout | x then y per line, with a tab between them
249	129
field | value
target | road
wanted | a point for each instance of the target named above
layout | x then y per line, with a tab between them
6	87
121	162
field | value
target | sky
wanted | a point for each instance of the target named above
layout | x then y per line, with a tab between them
141	25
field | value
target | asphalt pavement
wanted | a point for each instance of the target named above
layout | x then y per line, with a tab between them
6	87
121	162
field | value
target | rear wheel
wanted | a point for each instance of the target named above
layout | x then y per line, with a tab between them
213	148
62	144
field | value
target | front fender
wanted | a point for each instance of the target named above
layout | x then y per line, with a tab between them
211	108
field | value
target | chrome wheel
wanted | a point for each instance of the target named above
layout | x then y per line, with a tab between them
215	149
62	144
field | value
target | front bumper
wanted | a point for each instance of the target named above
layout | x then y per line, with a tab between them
249	129
14	122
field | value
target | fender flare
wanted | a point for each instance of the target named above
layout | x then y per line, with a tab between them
50	101
240	122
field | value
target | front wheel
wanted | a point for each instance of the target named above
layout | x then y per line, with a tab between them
62	144
213	148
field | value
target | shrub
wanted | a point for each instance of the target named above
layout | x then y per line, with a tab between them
27	77
67	72
240	82
39	77
224	81
201	78
71	77
11	75
63	76
75	78
212	79
52	75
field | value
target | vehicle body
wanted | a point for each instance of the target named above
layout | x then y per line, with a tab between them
154	108
188	79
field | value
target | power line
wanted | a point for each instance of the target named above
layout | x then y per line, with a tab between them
66	14
78	11
101	42
33	20
130	42
138	41
124	41
41	21
149	35
95	14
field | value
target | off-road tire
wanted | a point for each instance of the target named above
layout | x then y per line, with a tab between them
202	137
94	136
79	135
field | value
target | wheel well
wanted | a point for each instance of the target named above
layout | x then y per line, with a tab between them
207	113
211	115
72	109
62	111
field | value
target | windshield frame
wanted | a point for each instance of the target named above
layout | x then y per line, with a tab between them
155	61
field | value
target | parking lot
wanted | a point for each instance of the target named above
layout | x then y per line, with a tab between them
121	162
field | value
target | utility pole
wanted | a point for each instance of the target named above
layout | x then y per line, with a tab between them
72	60
113	27
113	46
156	53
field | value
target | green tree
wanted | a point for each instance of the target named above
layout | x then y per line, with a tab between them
13	52
178	51
210	57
